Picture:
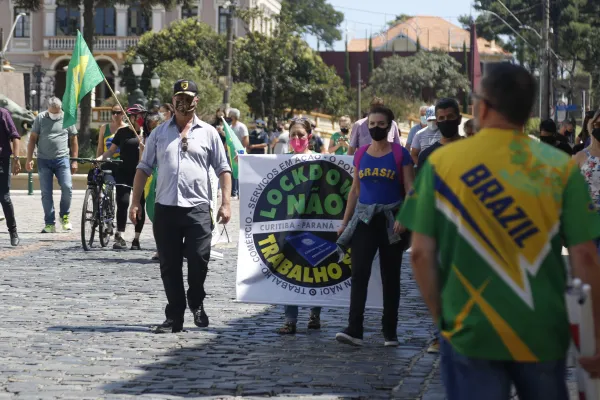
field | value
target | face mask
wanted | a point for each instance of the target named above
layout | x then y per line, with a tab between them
378	133
432	125
299	145
596	134
344	130
185	106
449	128
547	139
140	120
54	117
423	120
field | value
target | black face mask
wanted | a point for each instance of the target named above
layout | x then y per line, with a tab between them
344	130
378	133
548	139
596	134
449	127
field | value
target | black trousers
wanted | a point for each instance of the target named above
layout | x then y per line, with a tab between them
180	231
7	206
122	200
367	239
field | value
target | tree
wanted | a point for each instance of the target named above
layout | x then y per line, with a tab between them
89	29
423	76
188	40
418	44
347	74
398	20
316	17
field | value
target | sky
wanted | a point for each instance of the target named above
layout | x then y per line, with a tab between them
366	15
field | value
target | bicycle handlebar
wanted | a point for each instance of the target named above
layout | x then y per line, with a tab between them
95	161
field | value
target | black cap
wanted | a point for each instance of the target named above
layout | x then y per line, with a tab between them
183	86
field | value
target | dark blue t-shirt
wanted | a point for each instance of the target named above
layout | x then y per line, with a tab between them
379	183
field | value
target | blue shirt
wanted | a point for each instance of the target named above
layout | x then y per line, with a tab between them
379	182
412	133
183	176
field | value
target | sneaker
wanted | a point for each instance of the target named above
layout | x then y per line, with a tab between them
49	229
120	243
314	322
66	225
346	338
167	324
390	340
14	238
434	347
135	244
200	317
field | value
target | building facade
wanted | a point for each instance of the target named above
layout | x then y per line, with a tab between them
42	42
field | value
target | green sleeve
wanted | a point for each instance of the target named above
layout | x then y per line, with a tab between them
579	220
418	211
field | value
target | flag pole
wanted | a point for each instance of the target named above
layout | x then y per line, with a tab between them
118	102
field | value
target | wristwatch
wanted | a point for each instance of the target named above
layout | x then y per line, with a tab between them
16	158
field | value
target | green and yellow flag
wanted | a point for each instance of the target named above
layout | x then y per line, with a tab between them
83	75
234	147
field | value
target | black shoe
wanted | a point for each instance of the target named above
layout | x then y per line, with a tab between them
167	324
200	317
120	243
174	328
349	338
314	322
135	244
390	339
14	238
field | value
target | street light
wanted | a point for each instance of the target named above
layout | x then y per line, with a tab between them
32	94
19	16
155	84
137	97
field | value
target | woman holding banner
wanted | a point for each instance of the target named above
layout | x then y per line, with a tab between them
300	135
383	173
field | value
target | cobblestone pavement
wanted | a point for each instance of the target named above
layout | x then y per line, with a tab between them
77	325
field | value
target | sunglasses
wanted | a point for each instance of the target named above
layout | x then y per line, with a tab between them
184	144
117	112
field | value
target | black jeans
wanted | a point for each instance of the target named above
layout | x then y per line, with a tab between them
122	200
367	239
183	231
7	206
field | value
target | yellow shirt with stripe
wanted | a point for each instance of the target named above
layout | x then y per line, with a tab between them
500	206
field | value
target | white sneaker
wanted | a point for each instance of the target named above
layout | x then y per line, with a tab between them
345	338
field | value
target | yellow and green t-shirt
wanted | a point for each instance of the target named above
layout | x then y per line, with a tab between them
500	206
335	138
107	138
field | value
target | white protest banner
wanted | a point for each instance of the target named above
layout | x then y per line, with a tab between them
291	207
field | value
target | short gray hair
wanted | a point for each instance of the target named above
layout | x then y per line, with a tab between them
54	102
235	112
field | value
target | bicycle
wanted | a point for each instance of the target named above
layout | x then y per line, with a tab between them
98	205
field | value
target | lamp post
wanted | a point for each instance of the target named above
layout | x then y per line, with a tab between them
155	84
231	5
32	94
137	96
10	34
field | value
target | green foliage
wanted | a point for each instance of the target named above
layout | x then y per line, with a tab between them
398	20
423	76
316	17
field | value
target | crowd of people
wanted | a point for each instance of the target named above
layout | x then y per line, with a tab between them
486	215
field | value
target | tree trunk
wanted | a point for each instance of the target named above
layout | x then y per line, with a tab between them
86	102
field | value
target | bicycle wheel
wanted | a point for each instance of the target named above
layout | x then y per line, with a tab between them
106	218
89	220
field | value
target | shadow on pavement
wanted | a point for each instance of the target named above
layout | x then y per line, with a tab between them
246	357
102	329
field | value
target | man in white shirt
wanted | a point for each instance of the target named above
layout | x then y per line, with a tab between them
241	130
425	137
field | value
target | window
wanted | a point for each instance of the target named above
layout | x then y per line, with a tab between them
138	21
67	20
223	13
104	19
189	12
22	30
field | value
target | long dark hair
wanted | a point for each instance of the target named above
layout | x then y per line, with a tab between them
585	134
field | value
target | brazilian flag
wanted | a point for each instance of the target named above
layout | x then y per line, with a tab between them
83	75
150	194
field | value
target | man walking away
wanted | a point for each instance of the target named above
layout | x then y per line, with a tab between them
241	131
183	149
425	137
53	160
421	125
489	217
549	136
360	136
8	136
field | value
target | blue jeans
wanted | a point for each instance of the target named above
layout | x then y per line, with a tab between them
235	187
47	169
473	379
291	313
